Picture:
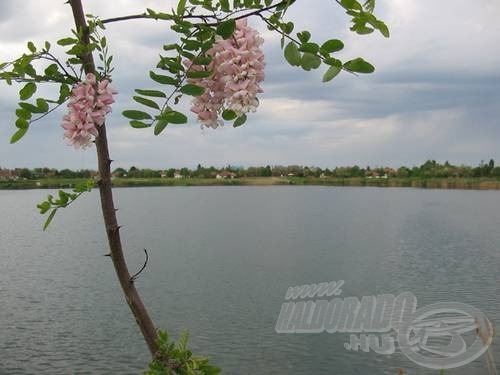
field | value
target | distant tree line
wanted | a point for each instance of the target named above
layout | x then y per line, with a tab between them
430	169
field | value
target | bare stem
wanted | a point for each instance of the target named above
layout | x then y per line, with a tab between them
108	208
203	17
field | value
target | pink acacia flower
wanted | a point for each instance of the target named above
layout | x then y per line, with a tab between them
88	106
238	68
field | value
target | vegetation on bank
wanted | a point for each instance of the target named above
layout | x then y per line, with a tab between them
429	169
431	183
431	174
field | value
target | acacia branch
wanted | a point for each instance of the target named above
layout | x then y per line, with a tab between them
292	39
132	296
203	17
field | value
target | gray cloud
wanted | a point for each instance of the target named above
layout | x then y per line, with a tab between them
435	93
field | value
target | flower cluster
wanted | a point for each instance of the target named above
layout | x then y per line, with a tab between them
88	105
238	68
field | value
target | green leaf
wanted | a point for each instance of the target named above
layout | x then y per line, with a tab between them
51	70
331	73
292	54
63	198
229	115
310	61
169	47
384	30
226	28
75	60
24	114
304	36
332	45
359	66
146	102
361	29
309	47
139	124
181	6
333	61
22	123
136	115
30	107
224	5
160	126
49	219
43	207
166	80
288	27
202	60
173	117
193	90
67	41
64	92
351	4
27	91
18	135
31	47
187	55
47	46
199	74
154	93
240	121
42	105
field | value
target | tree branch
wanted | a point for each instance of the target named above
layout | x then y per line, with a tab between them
199	16
132	296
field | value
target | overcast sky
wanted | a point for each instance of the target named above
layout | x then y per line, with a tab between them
435	93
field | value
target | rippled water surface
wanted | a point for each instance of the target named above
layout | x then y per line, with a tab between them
221	261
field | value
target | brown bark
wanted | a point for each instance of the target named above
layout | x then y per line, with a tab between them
108	209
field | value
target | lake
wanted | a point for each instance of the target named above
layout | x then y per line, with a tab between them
221	262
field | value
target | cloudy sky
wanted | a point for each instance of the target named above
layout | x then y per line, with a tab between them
435	93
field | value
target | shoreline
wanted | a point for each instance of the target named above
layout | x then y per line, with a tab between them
430	183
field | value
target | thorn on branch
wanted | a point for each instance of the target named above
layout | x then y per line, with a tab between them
114	228
134	277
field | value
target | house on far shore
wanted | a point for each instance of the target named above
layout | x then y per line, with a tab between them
5	174
163	174
177	174
225	174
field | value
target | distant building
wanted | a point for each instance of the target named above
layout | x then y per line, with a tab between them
177	174
5	174
8	174
224	175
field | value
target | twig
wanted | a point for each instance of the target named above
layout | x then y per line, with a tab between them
200	16
46	113
135	276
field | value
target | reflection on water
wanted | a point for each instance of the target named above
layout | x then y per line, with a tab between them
222	259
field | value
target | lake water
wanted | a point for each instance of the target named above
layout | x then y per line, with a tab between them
221	261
